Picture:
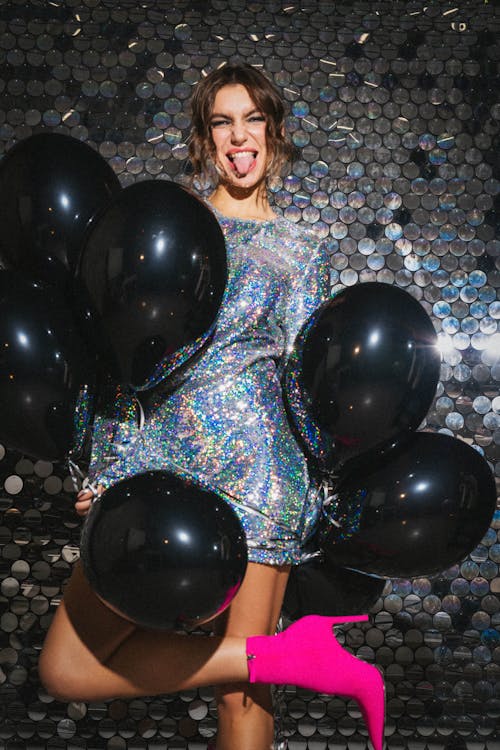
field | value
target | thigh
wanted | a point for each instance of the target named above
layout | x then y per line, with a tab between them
84	623
256	608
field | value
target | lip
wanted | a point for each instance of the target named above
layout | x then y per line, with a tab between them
234	151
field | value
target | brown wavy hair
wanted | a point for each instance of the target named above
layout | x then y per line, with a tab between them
266	98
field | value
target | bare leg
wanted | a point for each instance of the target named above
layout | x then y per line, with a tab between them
245	711
91	653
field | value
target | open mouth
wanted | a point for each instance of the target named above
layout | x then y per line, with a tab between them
242	162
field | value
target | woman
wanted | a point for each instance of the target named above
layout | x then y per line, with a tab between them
226	425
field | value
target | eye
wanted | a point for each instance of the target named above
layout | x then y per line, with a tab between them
219	123
257	118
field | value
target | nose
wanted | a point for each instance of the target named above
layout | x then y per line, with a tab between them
238	132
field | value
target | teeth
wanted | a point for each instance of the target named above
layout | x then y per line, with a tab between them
245	154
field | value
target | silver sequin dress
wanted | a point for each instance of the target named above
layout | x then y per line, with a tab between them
225	425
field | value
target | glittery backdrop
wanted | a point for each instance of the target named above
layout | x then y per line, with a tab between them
396	109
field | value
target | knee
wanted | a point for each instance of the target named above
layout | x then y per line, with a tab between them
236	701
54	679
60	678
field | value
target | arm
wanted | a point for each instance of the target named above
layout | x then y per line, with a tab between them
115	428
308	291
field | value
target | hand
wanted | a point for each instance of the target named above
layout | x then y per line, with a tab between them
84	500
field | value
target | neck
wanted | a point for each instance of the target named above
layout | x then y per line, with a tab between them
241	203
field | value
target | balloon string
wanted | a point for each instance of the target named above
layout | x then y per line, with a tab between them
142	418
331	498
77	474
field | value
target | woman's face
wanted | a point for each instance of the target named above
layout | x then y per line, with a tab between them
238	131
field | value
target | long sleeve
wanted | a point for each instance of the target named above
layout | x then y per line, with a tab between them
309	290
116	427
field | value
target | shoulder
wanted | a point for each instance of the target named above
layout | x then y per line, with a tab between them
303	240
300	233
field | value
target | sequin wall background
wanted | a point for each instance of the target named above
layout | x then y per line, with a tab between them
396	109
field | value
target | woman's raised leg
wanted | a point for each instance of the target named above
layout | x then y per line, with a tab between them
91	653
245	711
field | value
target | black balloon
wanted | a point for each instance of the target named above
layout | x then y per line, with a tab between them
322	588
51	187
420	509
154	267
46	376
162	551
363	373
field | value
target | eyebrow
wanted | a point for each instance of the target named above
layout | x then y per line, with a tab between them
253	111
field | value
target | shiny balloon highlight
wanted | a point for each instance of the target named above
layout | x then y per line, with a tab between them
415	512
163	552
47	376
363	373
51	187
153	271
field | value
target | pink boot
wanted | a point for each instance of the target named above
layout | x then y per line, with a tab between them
308	655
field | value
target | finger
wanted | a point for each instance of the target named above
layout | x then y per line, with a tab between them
85	495
83	507
84	502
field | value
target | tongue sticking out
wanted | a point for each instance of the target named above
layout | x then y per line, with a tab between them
243	163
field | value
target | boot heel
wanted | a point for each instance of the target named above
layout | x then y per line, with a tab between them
372	705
